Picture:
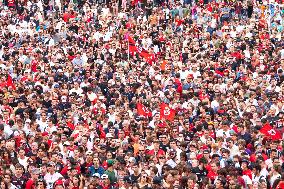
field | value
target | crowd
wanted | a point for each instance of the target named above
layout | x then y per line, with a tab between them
141	94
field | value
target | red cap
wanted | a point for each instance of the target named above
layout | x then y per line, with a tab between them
161	153
204	147
59	182
190	76
44	134
199	156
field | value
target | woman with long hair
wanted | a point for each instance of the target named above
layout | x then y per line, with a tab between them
143	181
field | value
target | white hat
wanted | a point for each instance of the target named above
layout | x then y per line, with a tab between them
66	143
109	135
97	175
104	176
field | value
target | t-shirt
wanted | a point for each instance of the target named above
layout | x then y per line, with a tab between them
19	182
111	176
51	178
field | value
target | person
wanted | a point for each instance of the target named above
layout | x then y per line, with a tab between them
31	183
102	94
51	176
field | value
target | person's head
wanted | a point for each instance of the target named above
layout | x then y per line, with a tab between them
19	169
7	178
3	185
76	180
105	179
35	174
51	167
214	167
219	184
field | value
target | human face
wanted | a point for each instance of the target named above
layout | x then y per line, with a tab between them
7	178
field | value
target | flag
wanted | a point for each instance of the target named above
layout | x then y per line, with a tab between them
167	112
143	111
268	130
10	82
131	40
133	47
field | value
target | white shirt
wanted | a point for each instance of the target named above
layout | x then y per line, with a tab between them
42	125
171	163
50	179
24	162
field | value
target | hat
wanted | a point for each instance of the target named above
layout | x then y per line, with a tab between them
232	132
110	162
58	182
66	143
60	70
244	160
206	151
56	85
89	153
44	134
190	76
104	176
109	135
96	175
157	180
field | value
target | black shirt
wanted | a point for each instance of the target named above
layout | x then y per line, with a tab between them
134	178
19	182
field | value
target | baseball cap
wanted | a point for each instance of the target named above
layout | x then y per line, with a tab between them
96	175
104	176
110	162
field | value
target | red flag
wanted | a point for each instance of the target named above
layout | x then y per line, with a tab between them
143	111
167	112
131	40
144	53
268	130
132	49
10	82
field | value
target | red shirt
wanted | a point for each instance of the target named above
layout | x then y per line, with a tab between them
212	175
30	184
248	173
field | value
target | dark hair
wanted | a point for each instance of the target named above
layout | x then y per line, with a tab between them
41	180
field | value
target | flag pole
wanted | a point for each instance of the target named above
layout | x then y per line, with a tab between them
128	50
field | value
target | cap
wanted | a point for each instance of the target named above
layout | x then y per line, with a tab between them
109	135
66	143
104	176
244	160
59	70
59	182
110	162
96	175
157	180
89	153
44	134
